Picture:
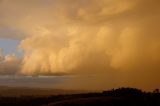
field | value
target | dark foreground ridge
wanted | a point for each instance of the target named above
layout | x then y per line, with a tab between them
114	97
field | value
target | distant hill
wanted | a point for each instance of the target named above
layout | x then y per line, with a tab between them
114	97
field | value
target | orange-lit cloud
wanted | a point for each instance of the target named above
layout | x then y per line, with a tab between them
118	38
9	65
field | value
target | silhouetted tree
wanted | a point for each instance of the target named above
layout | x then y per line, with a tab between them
156	91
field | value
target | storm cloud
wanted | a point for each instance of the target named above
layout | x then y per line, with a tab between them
113	41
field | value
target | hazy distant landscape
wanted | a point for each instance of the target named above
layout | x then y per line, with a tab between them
28	91
41	97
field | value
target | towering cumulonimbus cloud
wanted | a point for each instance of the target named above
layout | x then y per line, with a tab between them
82	34
103	38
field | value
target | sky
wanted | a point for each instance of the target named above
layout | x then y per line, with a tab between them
96	44
10	47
